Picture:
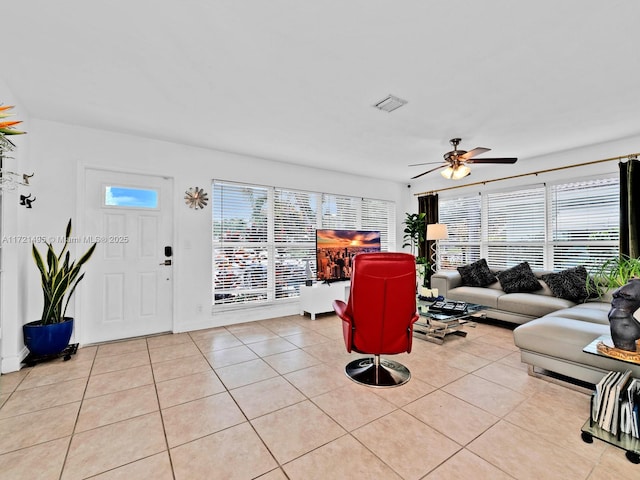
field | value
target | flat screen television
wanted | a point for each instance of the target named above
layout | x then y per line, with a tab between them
335	250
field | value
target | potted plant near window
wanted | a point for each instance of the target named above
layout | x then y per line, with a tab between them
59	278
414	236
614	273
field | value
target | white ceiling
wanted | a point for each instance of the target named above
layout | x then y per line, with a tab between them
295	80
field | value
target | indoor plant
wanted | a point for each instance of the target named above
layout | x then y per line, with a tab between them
415	232
614	273
59	278
414	236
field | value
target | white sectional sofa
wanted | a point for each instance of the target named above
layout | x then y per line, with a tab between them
509	307
552	331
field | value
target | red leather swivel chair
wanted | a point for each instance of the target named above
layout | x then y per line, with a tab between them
379	316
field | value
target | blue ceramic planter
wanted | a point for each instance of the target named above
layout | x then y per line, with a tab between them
42	340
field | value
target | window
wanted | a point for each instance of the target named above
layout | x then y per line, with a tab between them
462	216
339	212
553	227
380	215
515	228
295	219
264	237
130	197
584	222
240	216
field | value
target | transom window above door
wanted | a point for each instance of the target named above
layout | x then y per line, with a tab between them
131	197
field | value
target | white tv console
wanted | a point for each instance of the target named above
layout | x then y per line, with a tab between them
319	297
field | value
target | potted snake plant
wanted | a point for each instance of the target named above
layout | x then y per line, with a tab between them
59	278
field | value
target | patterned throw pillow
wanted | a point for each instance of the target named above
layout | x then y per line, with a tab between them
477	274
570	284
519	279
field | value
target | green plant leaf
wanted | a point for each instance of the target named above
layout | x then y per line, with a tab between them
59	277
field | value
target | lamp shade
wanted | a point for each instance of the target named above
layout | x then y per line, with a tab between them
437	231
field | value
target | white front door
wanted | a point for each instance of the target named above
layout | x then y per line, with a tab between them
127	290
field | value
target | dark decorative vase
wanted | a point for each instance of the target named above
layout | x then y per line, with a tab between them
51	339
625	329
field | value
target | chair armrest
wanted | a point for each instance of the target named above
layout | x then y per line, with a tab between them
340	308
347	322
414	319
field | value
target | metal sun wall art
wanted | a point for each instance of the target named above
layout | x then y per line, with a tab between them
196	198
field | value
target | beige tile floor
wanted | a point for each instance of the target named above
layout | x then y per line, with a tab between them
270	400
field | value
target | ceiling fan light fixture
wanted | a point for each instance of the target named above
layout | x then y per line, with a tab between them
390	103
457	173
447	173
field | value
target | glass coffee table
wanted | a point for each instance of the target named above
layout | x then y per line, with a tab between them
435	325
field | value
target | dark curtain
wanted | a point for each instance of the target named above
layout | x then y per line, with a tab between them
428	205
629	210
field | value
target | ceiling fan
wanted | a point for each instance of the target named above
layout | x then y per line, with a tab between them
455	161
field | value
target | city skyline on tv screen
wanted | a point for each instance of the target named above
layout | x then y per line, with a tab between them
335	250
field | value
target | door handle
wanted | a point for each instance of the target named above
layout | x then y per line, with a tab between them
166	262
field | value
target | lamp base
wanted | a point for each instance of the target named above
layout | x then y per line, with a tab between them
434	256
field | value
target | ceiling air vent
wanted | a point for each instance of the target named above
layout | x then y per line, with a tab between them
390	103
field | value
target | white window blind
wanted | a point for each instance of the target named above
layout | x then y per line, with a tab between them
295	220
264	237
552	227
584	222
380	215
462	216
339	212
515	227
240	251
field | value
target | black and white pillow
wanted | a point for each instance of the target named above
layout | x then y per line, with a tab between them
570	284
477	274
519	279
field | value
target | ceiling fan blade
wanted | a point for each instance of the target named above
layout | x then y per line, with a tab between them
432	170
427	163
493	160
473	153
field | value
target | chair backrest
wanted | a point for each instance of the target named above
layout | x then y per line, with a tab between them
382	302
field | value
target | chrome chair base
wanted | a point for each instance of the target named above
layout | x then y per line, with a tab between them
376	372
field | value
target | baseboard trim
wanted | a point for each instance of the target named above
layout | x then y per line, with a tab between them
13	363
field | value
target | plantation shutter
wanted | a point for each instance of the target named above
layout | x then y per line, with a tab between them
515	227
584	222
463	219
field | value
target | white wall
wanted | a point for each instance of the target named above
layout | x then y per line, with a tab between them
59	153
13	253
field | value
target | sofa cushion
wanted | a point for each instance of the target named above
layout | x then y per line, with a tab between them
593	312
531	304
570	284
477	274
519	279
563	338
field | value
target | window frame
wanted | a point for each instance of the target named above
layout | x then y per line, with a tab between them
284	275
550	244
